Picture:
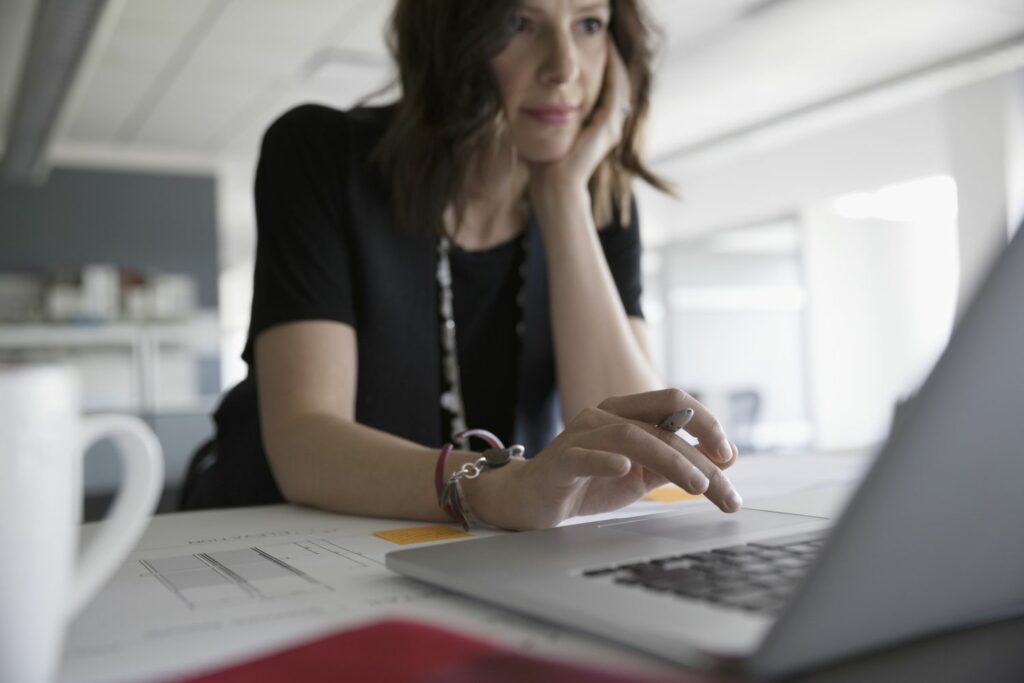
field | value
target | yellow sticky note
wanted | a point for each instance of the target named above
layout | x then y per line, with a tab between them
420	534
670	493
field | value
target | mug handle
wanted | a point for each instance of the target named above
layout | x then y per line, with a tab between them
142	481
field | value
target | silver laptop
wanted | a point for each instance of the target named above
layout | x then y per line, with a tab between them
929	542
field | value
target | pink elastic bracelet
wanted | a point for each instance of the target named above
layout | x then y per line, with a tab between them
439	468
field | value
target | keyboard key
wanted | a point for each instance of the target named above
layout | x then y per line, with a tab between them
764	602
802	549
685	574
659	584
696	591
700	557
791	563
739	591
728	575
756	577
670	580
736	550
600	571
806	537
774	583
751	560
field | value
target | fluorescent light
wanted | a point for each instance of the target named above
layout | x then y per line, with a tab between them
923	200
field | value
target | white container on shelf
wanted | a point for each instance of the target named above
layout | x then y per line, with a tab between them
21	297
174	297
101	292
63	302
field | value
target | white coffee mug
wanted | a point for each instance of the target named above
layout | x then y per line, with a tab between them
42	442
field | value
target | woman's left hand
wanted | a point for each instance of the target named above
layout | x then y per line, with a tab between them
598	137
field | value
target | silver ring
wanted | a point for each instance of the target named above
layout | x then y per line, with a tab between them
626	110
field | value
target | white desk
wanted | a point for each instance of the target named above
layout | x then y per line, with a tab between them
286	574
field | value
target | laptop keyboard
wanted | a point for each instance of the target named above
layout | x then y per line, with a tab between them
757	577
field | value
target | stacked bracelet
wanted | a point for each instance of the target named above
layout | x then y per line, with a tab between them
449	493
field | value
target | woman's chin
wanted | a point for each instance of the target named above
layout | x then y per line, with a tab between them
544	154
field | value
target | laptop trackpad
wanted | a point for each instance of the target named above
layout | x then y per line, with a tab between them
703	526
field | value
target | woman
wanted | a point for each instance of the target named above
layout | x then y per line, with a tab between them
449	261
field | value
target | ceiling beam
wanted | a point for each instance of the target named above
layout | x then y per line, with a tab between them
61	32
894	91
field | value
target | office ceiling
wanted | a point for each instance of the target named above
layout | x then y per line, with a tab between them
194	82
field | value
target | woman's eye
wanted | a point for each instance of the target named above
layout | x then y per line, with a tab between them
591	25
521	24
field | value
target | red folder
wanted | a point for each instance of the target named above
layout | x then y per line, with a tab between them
396	651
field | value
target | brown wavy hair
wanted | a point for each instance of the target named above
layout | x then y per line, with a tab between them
450	105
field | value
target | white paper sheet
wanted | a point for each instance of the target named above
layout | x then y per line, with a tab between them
210	588
206	589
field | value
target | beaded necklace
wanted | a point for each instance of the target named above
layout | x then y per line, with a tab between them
451	394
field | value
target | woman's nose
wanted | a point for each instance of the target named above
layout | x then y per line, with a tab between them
561	61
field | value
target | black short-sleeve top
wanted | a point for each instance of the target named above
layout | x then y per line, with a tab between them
329	248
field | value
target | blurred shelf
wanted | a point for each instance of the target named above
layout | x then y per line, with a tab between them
143	367
201	332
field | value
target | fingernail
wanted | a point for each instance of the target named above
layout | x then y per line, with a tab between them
724	450
733	501
699	482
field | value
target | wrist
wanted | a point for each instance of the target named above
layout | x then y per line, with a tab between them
552	190
453	462
492	496
564	218
462	494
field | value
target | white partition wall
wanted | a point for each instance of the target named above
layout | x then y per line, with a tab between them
882	287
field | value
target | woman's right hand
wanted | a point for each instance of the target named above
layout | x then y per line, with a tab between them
606	458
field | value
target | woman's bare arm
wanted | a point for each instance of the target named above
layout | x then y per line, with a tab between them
321	457
599	350
606	458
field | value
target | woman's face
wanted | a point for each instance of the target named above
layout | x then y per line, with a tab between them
550	74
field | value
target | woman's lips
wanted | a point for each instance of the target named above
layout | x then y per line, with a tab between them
555	115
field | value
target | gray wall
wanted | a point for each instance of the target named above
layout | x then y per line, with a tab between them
152	222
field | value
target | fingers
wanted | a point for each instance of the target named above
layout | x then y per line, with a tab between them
659	450
653	480
722	493
712	455
613	107
720	490
652	407
646	449
623	87
591	462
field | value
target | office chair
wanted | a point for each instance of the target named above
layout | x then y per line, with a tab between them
202	459
744	413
